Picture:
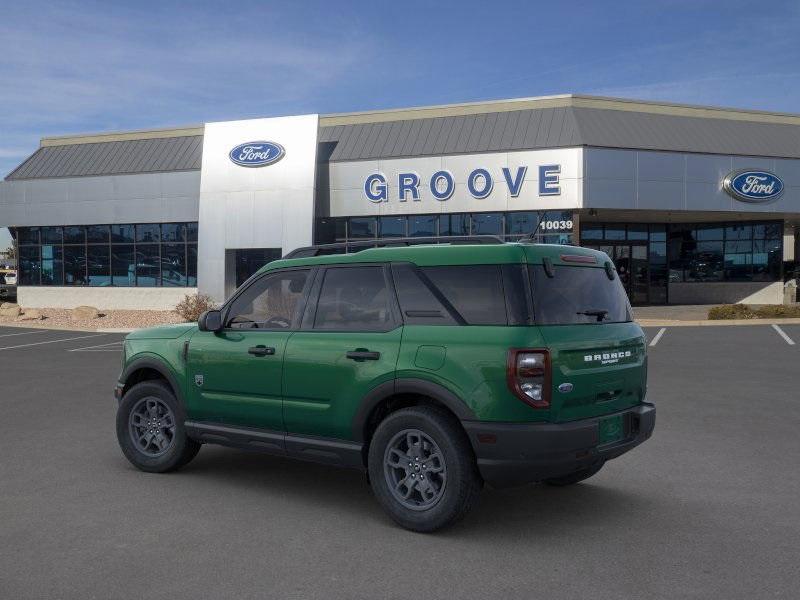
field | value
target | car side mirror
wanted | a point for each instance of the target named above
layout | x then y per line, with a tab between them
211	320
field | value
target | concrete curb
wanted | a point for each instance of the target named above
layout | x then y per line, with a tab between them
721	323
44	325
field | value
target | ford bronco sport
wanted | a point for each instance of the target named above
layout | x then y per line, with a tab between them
434	368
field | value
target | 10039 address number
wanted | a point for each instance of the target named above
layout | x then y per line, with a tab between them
565	225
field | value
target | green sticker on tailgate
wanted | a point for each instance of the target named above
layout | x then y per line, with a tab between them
610	429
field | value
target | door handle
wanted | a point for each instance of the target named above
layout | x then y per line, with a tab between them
363	355
261	350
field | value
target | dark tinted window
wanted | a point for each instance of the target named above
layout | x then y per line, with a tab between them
99	262
422	226
270	302
567	297
123	266
148	263
392	227
122	234
74	234
148	232
418	303
28	235
475	291
51	235
75	265
173	265
354	298
97	234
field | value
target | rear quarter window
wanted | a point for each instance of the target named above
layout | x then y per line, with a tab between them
476	292
577	295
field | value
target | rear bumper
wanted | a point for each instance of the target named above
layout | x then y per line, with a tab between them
517	453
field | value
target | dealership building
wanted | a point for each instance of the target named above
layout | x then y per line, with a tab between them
694	204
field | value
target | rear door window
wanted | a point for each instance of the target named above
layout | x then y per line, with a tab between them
354	299
577	295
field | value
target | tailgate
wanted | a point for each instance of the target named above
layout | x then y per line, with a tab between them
602	368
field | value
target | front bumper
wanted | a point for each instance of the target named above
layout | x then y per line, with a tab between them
517	453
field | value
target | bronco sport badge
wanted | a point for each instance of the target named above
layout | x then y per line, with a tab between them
607	358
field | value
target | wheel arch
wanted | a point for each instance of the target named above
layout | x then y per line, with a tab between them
401	393
148	369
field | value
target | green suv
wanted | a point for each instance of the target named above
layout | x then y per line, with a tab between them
433	368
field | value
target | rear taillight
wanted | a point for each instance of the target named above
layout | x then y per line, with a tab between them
528	375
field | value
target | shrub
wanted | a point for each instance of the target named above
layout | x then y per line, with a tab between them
780	311
731	311
194	305
747	311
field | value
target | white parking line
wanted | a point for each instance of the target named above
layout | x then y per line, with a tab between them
782	333
83	337
658	336
25	333
99	348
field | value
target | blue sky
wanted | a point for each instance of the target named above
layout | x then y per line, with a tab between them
75	67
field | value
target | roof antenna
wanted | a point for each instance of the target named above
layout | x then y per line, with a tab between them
530	237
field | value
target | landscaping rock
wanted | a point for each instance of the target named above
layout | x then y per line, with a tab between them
84	313
13	311
8	304
31	315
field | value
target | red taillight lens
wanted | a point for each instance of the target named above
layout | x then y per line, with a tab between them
528	375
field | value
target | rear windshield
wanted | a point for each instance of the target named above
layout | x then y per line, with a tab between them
577	295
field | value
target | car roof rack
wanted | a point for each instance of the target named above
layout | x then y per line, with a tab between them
359	245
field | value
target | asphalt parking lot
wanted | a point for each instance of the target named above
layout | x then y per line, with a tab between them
708	508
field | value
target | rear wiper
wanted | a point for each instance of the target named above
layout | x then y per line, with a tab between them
599	313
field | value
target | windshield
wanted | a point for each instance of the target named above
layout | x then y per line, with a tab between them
577	295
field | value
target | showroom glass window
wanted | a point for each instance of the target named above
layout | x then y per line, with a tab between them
128	255
509	226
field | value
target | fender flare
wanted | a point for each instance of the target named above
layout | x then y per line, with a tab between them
147	362
408	386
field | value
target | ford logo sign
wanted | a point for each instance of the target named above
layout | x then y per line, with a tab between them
753	186
257	154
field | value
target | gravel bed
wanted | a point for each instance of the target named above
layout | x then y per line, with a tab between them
109	319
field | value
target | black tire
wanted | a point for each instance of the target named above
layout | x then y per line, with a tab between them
178	450
575	477
461	483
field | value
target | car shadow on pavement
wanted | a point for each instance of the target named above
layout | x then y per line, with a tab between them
516	511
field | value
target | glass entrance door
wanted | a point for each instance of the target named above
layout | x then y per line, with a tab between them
631	261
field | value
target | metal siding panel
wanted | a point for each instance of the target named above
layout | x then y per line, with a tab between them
179	156
474	138
129	154
451	144
57	157
194	158
556	126
347	142
544	128
498	129
440	142
359	140
109	156
466	130
434	131
414	133
526	136
27	166
163	152
400	135
80	162
375	132
121	153
509	130
484	140
57	167
418	147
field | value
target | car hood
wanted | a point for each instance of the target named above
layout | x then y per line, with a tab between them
162	332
